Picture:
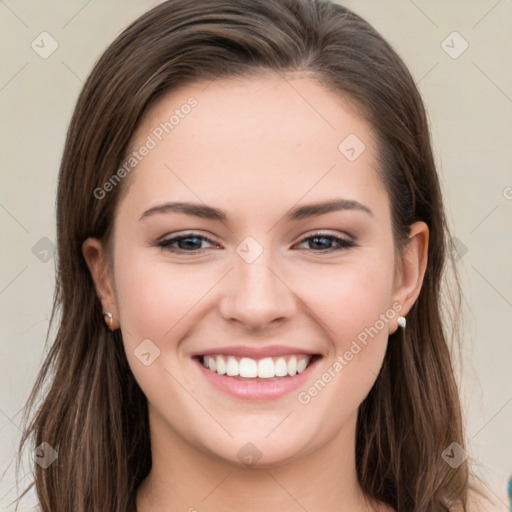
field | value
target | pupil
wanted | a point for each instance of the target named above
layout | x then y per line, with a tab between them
325	240
187	244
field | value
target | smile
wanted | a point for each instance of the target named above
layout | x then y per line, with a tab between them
248	368
256	374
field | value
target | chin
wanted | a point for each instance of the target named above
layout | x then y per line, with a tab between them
259	452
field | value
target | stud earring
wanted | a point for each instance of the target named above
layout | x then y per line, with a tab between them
402	322
109	318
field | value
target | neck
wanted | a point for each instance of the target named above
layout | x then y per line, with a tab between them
183	478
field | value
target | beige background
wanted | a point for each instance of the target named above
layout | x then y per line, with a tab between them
469	99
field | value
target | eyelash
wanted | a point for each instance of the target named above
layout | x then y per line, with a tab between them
342	243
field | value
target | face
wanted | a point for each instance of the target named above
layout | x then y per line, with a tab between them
254	268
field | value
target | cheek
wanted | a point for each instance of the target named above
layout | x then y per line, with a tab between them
155	302
359	312
154	297
354	306
349	298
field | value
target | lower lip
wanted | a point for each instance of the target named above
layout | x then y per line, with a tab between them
256	389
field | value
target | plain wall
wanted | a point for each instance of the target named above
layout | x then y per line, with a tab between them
469	101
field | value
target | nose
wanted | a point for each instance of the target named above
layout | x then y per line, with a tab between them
257	295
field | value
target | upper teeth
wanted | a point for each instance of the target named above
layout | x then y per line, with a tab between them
264	368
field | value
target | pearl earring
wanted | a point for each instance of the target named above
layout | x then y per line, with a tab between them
402	322
109	318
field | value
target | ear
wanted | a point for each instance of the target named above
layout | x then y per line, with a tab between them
97	261
411	270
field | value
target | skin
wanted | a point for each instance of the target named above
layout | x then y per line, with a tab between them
254	148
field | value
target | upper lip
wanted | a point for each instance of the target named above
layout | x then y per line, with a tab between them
255	352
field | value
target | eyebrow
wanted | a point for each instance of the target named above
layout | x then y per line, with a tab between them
299	213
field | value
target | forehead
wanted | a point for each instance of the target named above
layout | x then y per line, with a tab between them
246	138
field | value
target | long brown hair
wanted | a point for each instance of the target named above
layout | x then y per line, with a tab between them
92	411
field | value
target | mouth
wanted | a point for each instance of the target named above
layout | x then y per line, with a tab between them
246	368
256	378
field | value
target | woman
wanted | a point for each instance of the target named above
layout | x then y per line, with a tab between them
251	243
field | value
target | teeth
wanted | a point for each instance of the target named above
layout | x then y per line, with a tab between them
280	367
221	365
232	368
301	365
248	367
266	368
292	366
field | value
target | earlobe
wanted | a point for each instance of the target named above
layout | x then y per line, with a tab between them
412	268
97	262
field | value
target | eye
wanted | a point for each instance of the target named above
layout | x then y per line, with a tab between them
190	242
322	242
